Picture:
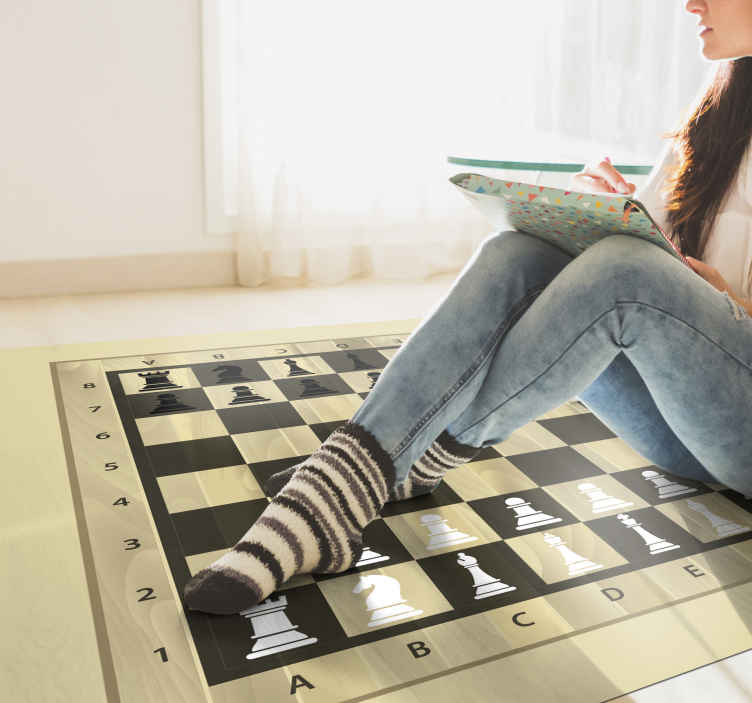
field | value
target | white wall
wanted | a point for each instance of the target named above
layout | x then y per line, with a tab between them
100	129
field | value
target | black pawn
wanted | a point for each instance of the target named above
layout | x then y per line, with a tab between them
312	387
243	394
168	403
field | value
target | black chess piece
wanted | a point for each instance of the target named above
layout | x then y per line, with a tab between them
295	370
169	403
358	363
243	394
311	387
156	380
374	376
230	374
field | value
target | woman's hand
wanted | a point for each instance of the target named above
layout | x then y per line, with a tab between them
709	273
600	177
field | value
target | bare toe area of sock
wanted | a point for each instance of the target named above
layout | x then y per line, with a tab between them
222	592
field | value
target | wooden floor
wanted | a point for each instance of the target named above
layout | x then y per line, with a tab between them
64	320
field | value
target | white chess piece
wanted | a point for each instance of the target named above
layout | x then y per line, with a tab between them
656	544
666	488
272	629
577	564
722	526
441	534
527	516
385	601
368	556
485	585
600	502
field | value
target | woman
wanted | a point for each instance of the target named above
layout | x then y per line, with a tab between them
660	354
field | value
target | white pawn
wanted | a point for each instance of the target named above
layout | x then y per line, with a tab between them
600	501
723	527
441	534
666	488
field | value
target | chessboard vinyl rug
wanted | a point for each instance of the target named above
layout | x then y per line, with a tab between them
557	565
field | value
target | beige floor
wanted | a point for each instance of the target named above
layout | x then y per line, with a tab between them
91	318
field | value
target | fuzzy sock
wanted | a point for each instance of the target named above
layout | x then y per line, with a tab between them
314	524
425	474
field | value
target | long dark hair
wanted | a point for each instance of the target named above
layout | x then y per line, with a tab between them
710	144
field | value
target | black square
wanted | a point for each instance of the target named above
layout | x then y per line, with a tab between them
648	483
188	400
577	429
221	527
673	543
497	560
193	455
558	465
510	519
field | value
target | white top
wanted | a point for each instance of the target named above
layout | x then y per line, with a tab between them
729	247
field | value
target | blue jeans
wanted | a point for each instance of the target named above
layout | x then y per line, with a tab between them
657	353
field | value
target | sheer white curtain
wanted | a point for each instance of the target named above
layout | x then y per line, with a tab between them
328	124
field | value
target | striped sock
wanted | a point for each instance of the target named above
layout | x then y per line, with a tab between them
428	471
314	524
425	474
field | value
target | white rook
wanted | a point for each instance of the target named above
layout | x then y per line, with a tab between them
272	629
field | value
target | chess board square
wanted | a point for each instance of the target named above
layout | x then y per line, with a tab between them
555	465
645	537
281	368
215	528
565	553
361	381
380	598
532	437
497	561
441	495
227	484
486	478
278	443
306	387
655	485
224	372
595	497
354	359
255	418
708	517
447	528
135	383
303	613
181	457
227	396
612	455
577	429
177	428
161	405
334	408
522	511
